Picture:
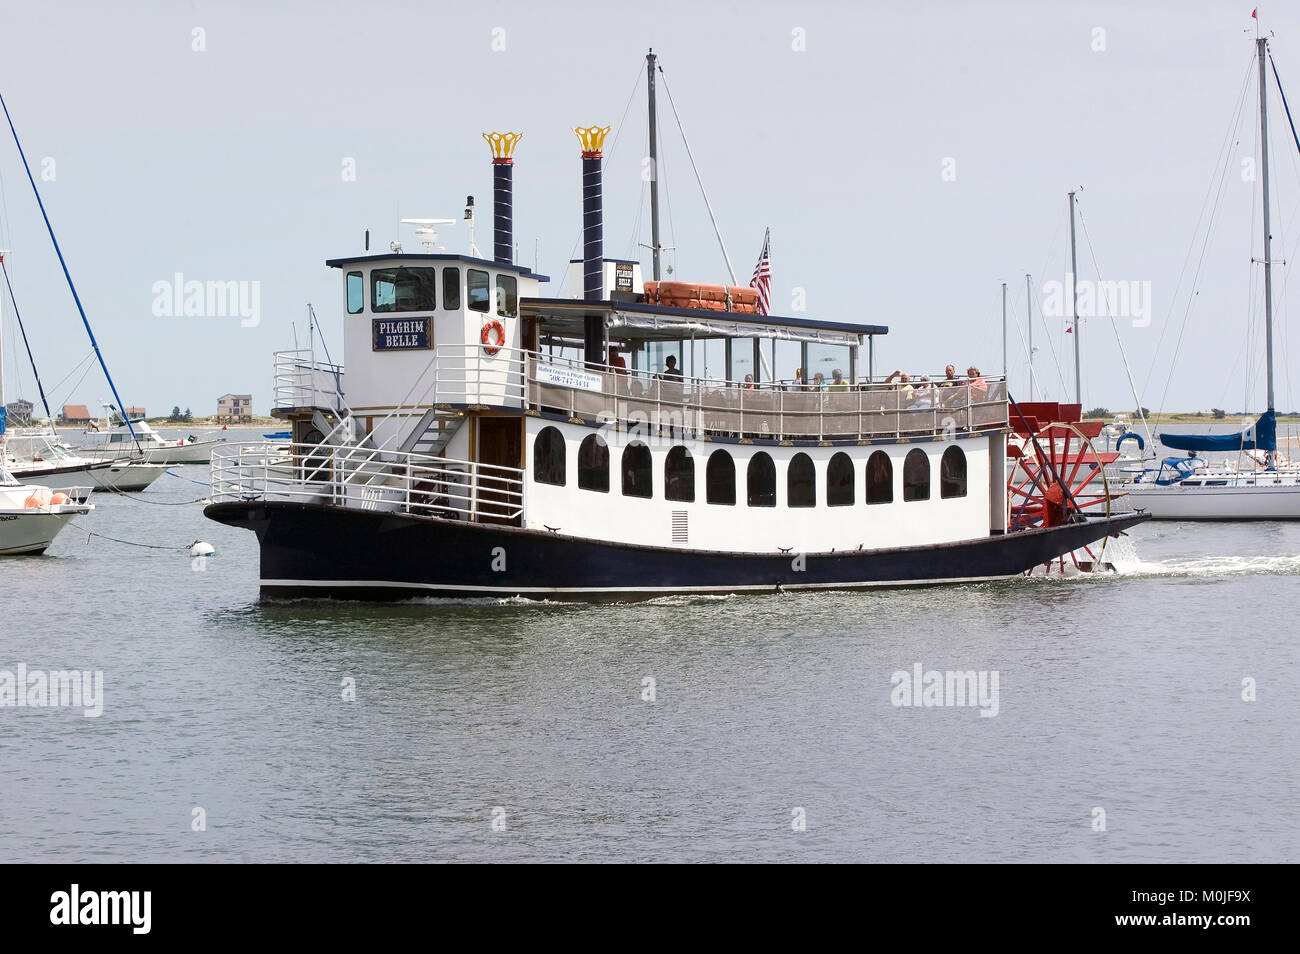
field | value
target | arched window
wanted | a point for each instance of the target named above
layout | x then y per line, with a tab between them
880	479
720	479
760	479
548	457
593	464
679	475
800	482
839	481
952	473
916	475
637	471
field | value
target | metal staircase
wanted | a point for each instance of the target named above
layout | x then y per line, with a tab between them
433	432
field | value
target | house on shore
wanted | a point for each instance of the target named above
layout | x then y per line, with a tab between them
235	409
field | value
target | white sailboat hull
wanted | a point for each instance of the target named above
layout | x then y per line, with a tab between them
1238	498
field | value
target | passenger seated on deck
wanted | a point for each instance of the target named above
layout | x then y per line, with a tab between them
979	388
616	362
924	396
798	383
837	381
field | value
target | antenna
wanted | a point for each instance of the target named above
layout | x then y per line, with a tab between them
469	217
426	233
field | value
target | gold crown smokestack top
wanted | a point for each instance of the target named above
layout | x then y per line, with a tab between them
503	213
593	239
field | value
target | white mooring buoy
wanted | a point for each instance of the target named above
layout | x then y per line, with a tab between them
200	549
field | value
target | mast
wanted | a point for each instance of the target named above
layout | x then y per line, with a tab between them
654	162
1262	45
1004	331
1029	308
1074	308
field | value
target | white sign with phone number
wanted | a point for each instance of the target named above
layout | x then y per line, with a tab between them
569	378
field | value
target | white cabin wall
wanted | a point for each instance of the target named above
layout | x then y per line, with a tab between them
612	516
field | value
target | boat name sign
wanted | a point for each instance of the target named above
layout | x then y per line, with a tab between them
406	334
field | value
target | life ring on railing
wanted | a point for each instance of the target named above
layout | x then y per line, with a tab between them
493	336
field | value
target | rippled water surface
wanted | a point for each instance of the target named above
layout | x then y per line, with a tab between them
1121	693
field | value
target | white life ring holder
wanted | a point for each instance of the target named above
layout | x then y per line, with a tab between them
493	336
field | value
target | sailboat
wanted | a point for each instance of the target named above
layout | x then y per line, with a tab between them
30	516
1259	485
37	456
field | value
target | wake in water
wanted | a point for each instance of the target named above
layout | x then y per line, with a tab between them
1123	555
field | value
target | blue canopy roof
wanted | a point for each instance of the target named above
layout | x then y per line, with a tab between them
1261	435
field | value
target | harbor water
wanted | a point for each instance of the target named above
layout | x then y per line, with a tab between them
1146	715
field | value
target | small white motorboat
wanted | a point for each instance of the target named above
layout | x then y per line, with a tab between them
31	517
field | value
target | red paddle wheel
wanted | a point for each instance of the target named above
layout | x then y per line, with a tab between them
1055	474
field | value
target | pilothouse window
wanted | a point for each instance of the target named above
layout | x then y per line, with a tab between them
507	296
451	289
480	293
402	289
356	293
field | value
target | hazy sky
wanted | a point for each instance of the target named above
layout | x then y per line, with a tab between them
226	164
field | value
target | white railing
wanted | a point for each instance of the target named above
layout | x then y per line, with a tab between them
302	381
774	411
364	478
466	376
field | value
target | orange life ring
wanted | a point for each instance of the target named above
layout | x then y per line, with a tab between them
493	330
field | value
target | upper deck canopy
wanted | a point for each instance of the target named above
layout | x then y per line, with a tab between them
565	315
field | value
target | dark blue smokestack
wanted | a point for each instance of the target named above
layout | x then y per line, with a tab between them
503	205
593	227
503	240
593	240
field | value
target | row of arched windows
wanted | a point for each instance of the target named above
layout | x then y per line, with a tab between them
637	472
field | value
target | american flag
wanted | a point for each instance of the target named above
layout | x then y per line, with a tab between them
762	279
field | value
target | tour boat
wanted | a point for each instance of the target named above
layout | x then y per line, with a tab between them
496	441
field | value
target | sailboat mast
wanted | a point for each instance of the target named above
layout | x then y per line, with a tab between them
1262	44
654	162
1074	308
1029	309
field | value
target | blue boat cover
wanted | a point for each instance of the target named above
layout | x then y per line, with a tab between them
1261	435
3	414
